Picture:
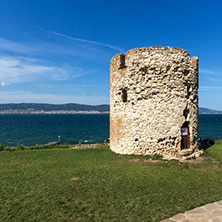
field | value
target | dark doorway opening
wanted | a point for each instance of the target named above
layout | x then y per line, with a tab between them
185	134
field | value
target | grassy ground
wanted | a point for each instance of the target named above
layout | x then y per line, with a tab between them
98	185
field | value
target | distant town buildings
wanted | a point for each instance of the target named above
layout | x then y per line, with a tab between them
33	111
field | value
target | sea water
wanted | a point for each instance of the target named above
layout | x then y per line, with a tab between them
210	126
73	128
42	128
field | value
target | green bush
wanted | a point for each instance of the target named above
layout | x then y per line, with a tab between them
20	147
1	147
8	148
44	146
218	141
157	157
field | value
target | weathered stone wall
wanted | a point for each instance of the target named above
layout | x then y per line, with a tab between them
153	92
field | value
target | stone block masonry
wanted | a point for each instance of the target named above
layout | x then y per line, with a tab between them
154	102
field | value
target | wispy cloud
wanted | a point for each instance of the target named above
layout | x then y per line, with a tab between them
11	46
59	48
84	86
214	79
29	97
88	41
210	87
21	69
206	71
3	84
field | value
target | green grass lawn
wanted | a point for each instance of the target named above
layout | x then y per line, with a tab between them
98	185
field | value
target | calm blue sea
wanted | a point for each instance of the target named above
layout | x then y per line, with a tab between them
87	128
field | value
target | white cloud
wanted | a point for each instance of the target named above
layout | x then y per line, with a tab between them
214	79
210	87
3	84
62	48
206	71
16	47
21	69
28	97
87	41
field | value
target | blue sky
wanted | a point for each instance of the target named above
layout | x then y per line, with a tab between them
54	51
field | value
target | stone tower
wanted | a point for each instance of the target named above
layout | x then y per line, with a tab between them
154	102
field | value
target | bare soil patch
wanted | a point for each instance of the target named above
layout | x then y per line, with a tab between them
200	160
74	178
214	164
147	161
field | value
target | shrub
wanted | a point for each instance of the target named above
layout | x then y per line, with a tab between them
218	142
157	157
7	148
20	147
1	147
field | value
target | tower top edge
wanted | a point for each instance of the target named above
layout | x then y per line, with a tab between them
154	48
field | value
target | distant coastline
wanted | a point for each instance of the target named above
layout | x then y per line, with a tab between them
69	108
203	110
43	108
50	112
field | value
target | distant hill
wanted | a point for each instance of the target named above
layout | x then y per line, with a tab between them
203	110
75	107
50	107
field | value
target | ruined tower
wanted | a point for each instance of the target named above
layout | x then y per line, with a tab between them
154	102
